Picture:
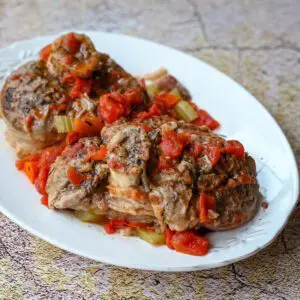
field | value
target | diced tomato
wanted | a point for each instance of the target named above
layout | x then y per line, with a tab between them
48	157
41	181
168	100
114	224
213	153
205	203
44	200
235	148
168	237
156	109
109	228
68	60
72	137
31	169
190	243
132	224
45	52
133	96
75	177
112	107
196	149
99	154
32	157
71	43
88	126
81	86
172	144
204	118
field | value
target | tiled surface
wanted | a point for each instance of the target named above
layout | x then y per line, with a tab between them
255	42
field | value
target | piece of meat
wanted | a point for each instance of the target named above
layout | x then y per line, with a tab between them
232	182
26	98
236	203
168	83
89	195
35	93
128	151
130	201
133	186
73	53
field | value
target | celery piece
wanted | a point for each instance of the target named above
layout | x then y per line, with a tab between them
63	124
185	111
151	237
86	216
152	89
176	93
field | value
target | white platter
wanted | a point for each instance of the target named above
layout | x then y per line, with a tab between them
242	117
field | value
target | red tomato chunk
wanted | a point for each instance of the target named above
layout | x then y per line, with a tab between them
235	148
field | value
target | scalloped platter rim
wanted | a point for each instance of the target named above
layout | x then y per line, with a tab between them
242	117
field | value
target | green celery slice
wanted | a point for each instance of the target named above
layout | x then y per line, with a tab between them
185	111
151	237
152	89
86	216
176	92
63	124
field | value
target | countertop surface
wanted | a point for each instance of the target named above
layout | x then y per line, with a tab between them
257	43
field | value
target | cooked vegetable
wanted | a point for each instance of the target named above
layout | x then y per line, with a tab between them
72	137
152	89
168	100
88	126
204	118
185	111
168	237
33	157
80	87
99	154
173	143
87	216
44	200
133	96
31	170
71	43
116	224
206	203
176	93
213	153
112	107
63	124
151	237
74	176
190	243
235	148
48	157
156	109
45	52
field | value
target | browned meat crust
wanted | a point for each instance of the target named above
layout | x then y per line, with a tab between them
30	91
169	197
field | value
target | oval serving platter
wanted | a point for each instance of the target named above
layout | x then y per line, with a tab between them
241	116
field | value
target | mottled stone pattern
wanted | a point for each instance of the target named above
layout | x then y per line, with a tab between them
255	42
